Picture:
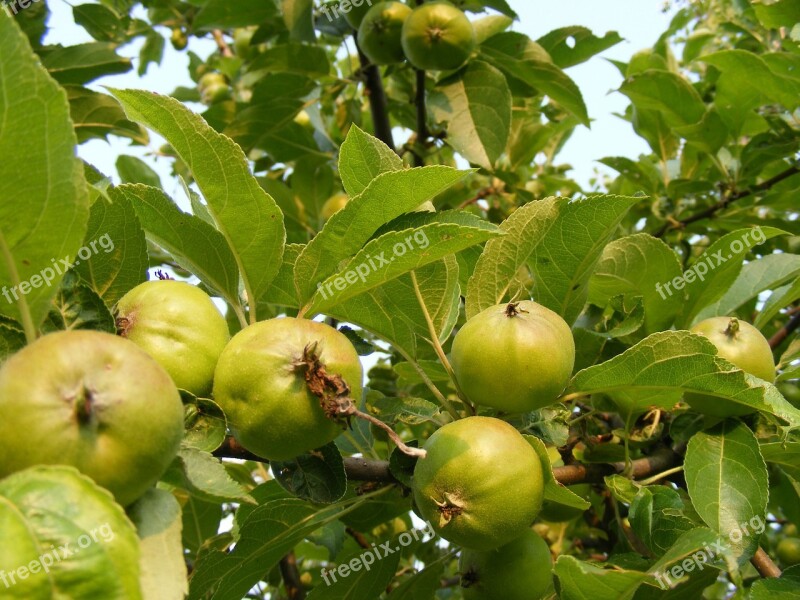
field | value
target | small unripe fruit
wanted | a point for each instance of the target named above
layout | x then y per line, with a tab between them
481	483
741	344
520	570
93	401
514	357
178	325
260	383
437	36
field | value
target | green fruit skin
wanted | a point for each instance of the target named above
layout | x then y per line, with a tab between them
133	422
747	349
266	398
515	364
356	12
520	570
180	326
485	467
380	31
791	392
438	37
788	551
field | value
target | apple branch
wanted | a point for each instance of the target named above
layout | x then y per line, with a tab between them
422	119
726	200
785	331
764	565
362	469
378	105
291	577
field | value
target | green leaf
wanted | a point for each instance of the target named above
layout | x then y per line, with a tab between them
553	490
282	290
622	488
206	425
135	170
298	15
728	483
392	311
786	455
388	196
364	581
194	244
412	411
266	534
637	265
423	584
152	51
657	519
362	158
786	587
392	255
777	14
77	306
584	44
317	476
81	540
11	340
277	98
475	103
580	580
293	58
83	63
118	259
717	268
767	273
657	370
204	476
560	241
101	22
692	550
246	215
44	205
509	52
666	92
157	516
99	115
221	14
752	73
490	25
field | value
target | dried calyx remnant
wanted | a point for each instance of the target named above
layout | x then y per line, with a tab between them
334	397
83	405
513	309
449	509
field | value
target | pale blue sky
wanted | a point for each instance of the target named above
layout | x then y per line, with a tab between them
639	22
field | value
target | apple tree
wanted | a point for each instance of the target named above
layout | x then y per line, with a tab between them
381	344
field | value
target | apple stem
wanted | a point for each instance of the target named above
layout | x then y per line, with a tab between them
733	327
348	408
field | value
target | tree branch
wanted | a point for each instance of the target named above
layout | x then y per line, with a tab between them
727	200
764	565
422	119
378	104
222	45
291	577
360	469
785	331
